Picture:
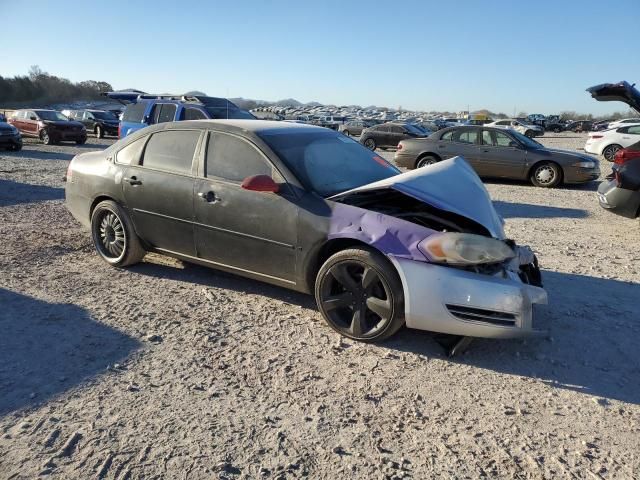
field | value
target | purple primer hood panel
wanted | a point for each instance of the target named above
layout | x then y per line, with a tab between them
451	185
392	236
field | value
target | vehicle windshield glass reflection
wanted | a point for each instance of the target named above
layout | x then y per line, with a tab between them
527	141
327	162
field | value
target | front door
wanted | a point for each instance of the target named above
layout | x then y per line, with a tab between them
159	191
465	143
247	231
501	155
30	125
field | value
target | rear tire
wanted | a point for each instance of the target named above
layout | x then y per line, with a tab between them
546	175
99	132
426	160
529	134
360	295
610	151
346	132
114	236
81	141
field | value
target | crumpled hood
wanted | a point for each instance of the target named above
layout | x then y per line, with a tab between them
451	185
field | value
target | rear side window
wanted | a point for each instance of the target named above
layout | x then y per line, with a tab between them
447	136
171	150
234	159
164	112
134	112
634	130
131	153
192	114
465	136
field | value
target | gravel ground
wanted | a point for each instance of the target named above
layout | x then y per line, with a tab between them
168	370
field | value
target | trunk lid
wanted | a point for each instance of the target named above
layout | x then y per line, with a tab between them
618	92
451	185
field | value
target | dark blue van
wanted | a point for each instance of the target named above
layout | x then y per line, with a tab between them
144	110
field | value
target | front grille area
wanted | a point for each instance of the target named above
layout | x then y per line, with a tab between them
480	315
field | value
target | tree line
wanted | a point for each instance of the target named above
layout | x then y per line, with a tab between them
39	88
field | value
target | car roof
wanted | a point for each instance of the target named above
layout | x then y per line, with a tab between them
248	125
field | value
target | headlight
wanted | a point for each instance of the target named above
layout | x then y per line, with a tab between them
586	164
465	249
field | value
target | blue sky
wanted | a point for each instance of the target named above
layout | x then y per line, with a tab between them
536	57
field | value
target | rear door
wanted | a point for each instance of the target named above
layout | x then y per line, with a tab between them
163	112
465	142
629	135
500	155
159	190
30	123
240	229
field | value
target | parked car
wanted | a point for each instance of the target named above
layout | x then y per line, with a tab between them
10	138
599	126
100	122
309	209
353	128
152	109
555	126
525	129
494	152
608	142
388	135
49	126
579	126
624	122
620	193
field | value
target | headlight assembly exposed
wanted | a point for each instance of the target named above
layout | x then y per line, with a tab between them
465	249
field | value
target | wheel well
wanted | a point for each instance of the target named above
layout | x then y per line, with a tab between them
329	248
427	154
546	161
96	201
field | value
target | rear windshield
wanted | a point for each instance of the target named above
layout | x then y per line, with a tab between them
327	162
105	116
134	112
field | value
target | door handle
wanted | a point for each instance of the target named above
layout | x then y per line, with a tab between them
485	151
132	180
209	197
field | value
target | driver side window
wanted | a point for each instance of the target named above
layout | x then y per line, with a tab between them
234	159
496	139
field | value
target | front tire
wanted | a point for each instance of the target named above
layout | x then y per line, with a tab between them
46	138
81	141
546	175
529	134
99	132
609	153
346	132
370	143
360	295
113	235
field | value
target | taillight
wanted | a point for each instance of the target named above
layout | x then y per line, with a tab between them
67	177
399	147
623	155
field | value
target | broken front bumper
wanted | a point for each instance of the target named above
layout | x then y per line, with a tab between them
458	302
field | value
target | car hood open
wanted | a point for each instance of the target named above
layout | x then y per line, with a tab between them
451	185
618	92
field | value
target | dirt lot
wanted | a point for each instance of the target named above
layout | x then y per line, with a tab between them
167	370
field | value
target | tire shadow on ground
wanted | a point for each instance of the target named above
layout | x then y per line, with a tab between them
48	348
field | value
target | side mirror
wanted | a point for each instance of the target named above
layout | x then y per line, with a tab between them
260	183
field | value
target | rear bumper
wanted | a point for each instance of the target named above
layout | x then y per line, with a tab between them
404	160
457	302
619	200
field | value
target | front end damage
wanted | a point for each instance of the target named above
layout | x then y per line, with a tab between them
481	299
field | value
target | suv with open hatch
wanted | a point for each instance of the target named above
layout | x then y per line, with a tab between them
143	110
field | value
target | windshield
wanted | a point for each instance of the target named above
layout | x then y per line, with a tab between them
223	112
526	140
51	115
327	162
105	116
415	129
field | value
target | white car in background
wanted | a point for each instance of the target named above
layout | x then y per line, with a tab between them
520	127
623	123
608	142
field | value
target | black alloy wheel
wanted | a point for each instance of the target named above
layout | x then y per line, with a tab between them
360	296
